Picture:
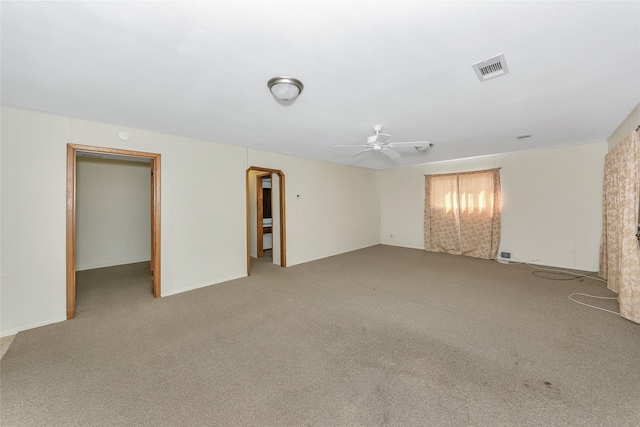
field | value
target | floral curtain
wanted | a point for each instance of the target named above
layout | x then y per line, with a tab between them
462	213
619	247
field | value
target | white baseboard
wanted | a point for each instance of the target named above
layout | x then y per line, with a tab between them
201	285
111	263
421	248
357	248
13	331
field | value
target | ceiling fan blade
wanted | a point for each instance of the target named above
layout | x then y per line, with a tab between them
380	142
411	143
389	152
360	152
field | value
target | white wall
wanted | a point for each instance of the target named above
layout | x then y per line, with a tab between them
202	211
203	225
337	210
253	215
551	202
33	219
113	212
275	217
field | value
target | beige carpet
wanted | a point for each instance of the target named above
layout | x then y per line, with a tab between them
379	336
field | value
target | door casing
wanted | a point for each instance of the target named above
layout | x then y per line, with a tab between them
154	160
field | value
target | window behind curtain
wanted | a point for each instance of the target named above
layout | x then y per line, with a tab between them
462	213
619	247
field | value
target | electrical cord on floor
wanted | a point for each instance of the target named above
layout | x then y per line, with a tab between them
574	276
540	274
593	306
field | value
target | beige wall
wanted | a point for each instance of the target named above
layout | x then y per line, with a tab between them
33	161
628	125
551	203
330	208
203	225
253	215
275	214
113	212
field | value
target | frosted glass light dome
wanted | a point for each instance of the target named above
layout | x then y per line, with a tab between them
284	88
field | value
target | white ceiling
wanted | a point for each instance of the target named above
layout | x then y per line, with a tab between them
200	69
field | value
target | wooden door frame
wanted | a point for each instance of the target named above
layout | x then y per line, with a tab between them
282	207
154	160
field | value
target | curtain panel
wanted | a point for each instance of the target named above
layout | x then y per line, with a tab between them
619	246
462	213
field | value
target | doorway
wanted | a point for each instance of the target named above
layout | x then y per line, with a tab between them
264	215
73	151
256	178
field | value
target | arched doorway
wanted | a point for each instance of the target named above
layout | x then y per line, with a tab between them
281	209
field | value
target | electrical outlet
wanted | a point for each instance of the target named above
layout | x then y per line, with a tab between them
506	255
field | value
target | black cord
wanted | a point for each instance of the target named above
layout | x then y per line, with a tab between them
538	273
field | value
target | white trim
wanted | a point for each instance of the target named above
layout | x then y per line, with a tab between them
202	285
111	264
17	329
334	254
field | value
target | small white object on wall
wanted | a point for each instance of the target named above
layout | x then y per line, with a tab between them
123	135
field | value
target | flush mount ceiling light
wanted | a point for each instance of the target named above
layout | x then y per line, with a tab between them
285	89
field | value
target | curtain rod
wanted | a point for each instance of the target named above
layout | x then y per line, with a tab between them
453	173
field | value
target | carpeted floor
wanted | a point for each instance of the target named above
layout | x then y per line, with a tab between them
379	336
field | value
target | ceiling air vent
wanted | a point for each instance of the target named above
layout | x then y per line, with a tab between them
489	68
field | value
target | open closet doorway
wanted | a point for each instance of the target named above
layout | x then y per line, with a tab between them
264	217
105	158
265	203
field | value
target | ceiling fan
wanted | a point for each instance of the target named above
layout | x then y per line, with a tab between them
379	142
